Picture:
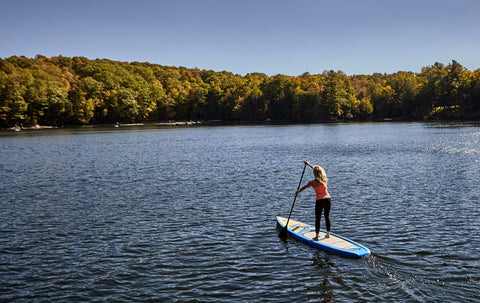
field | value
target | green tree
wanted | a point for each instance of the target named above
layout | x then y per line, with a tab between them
12	105
384	103
430	94
253	106
453	85
338	96
82	108
123	106
278	93
404	100
472	104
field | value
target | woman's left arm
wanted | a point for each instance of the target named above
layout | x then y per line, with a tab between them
309	184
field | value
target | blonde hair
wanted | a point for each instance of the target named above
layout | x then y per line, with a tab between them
320	174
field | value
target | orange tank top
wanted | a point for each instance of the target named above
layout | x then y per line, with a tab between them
321	191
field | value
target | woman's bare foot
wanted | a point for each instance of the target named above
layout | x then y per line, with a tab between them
315	239
327	235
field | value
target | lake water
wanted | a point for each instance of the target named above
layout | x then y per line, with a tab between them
188	214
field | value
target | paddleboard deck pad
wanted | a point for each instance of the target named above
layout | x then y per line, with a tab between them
334	244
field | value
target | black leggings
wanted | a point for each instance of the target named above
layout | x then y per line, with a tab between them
323	204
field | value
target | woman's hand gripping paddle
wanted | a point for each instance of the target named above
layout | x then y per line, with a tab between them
283	232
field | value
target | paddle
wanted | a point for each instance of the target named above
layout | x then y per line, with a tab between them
283	232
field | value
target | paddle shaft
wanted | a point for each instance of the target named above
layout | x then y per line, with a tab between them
284	230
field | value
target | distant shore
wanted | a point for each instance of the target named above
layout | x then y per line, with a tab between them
219	122
116	125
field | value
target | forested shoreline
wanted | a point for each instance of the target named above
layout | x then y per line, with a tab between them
60	91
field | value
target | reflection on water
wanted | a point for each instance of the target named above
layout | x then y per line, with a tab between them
322	284
188	214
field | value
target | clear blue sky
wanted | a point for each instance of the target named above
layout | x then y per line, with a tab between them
269	36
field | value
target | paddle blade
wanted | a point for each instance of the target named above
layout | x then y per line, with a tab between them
283	233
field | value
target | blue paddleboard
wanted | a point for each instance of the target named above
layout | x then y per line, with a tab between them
335	244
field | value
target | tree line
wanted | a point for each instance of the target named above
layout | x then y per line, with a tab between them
78	91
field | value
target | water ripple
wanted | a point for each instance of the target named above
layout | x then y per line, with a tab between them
188	215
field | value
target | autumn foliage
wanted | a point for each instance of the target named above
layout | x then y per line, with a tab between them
79	91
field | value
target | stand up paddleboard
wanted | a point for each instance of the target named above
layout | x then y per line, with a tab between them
335	244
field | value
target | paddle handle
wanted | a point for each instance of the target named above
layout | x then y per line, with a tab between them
296	194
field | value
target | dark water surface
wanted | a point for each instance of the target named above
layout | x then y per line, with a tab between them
188	214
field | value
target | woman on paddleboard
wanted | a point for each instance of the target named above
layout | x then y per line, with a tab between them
324	201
